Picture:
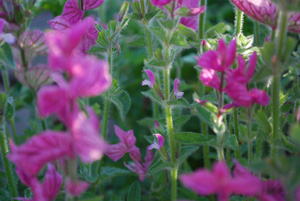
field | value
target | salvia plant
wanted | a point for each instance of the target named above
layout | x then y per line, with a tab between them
150	100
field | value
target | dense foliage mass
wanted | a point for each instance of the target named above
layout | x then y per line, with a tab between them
150	100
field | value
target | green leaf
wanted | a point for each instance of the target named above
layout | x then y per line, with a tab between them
6	56
153	96
232	143
180	120
180	102
263	73
152	14
178	40
218	28
134	193
159	32
185	152
108	172
263	121
122	102
138	41
267	53
156	63
159	165
9	109
186	31
183	12
289	48
193	138
203	114
295	133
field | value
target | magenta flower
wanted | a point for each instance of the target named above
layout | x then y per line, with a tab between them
151	80
6	37
72	12
63	45
157	144
138	166
41	149
270	190
177	93
210	78
127	142
156	124
220	182
46	191
221	59
75	188
160	2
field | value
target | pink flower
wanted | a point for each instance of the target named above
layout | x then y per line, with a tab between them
160	142
46	191
41	149
75	188
138	167
221	59
151	80
210	78
177	93
220	182
156	124
160	2
270	190
63	46
263	11
72	12
240	74
127	142
87	143
260	97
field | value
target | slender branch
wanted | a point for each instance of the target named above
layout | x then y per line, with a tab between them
238	21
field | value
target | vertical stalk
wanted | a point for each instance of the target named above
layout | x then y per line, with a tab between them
280	45
169	122
7	90
257	37
202	87
249	136
7	165
259	145
236	132
239	15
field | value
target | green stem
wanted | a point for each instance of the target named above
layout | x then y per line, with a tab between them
169	122
7	90
256	26
143	8
259	145
249	136
201	21
238	21
220	152
7	165
236	132
280	46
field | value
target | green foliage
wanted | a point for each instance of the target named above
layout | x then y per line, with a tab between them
134	193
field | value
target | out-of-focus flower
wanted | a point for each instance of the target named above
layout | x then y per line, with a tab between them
46	191
151	80
177	93
6	37
157	144
220	182
160	2
75	188
210	78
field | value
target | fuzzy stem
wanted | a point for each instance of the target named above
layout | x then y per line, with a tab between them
280	45
7	165
169	122
201	21
238	21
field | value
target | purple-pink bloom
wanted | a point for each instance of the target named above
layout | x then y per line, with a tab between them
151	80
177	93
127	142
160	2
46	191
75	188
41	149
138	166
87	143
220	59
157	144
219	181
210	78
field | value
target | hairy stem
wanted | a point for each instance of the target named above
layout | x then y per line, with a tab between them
236	132
7	165
257	37
239	15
